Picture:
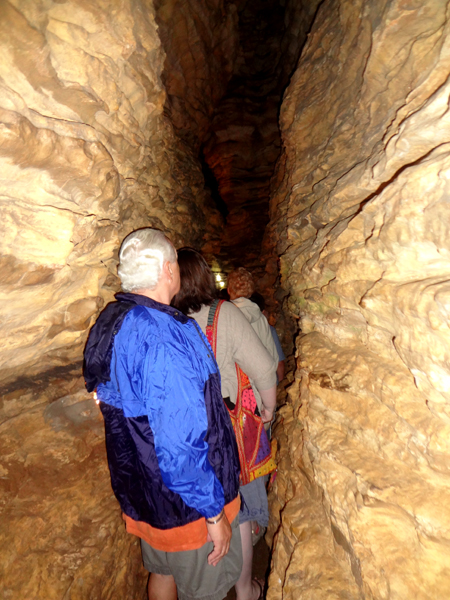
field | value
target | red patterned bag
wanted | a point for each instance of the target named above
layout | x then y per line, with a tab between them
255	453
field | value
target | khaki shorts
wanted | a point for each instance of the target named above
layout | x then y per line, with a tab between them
195	578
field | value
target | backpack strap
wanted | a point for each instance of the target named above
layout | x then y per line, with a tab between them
213	321
212	311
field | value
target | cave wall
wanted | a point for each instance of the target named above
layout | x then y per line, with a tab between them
360	214
88	153
243	143
201	48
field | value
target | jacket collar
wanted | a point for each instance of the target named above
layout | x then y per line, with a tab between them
145	301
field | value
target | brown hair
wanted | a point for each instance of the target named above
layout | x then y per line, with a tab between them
197	285
240	283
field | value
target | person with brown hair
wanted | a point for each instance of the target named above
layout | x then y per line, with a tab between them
236	344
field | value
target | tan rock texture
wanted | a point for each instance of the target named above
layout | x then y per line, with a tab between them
88	153
61	535
360	215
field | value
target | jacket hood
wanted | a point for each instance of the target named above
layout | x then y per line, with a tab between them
249	308
98	349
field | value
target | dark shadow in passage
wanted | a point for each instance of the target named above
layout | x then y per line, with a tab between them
213	187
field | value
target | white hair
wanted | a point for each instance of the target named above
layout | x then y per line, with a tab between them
141	259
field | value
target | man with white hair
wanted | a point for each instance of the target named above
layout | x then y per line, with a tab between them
170	443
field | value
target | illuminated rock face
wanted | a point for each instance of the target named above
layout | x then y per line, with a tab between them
360	214
87	154
104	107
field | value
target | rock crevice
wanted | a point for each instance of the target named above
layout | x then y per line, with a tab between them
108	114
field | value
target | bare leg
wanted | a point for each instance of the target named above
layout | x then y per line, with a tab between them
246	588
161	587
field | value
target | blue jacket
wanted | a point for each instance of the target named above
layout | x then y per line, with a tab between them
170	442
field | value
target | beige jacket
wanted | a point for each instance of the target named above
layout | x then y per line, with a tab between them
238	343
259	323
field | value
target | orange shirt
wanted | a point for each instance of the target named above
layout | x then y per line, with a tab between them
187	537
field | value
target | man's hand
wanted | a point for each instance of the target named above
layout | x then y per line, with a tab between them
220	535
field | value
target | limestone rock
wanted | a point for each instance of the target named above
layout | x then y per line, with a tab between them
360	213
87	155
61	535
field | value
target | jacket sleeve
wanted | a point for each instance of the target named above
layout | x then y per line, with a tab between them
164	378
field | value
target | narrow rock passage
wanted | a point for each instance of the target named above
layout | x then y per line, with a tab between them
104	112
243	142
240	143
323	128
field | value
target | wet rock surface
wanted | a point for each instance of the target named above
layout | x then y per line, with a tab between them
359	214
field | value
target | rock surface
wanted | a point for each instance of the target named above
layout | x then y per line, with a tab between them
243	144
88	153
360	213
62	535
104	110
